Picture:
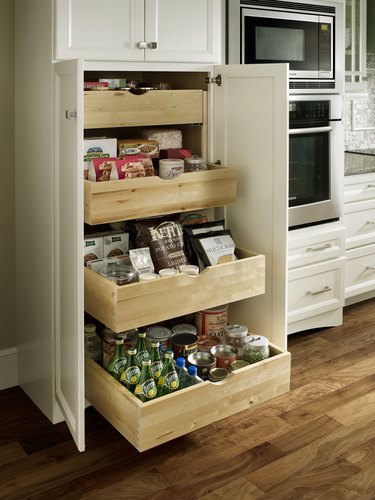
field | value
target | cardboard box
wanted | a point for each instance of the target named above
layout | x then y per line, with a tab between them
138	146
115	244
93	248
97	147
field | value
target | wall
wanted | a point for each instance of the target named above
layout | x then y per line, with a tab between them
8	368
359	118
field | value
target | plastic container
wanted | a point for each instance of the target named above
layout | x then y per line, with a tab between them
192	377
256	348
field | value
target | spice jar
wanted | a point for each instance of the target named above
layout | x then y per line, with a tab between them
194	163
255	348
235	335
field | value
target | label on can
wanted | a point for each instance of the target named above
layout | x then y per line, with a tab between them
212	321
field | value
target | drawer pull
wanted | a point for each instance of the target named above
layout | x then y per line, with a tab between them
370	222
317	292
319	249
370	186
370	268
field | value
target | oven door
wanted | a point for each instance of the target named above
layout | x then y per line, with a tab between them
315	174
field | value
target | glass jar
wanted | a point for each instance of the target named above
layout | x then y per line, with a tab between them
235	335
194	163
121	275
256	348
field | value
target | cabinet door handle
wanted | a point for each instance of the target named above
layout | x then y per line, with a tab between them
370	222
152	45
370	186
370	268
317	292
319	249
142	45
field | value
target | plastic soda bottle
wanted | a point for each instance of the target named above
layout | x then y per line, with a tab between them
117	363
156	363
132	371
182	372
142	351
145	389
168	381
192	377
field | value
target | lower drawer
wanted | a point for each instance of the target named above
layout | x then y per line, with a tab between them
360	271
146	425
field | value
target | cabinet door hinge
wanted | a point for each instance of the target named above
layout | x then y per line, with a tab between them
216	79
70	114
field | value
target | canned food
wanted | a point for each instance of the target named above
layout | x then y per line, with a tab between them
207	342
212	321
158	334
218	374
239	363
170	167
224	355
204	361
184	344
184	328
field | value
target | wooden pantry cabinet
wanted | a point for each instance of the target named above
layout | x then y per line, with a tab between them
244	126
139	30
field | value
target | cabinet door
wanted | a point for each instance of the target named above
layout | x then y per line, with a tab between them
183	31
97	30
251	134
69	307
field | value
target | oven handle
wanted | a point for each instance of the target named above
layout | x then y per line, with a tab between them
313	130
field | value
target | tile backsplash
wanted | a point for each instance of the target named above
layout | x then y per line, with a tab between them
359	114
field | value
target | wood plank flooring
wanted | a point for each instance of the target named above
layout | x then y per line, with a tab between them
316	442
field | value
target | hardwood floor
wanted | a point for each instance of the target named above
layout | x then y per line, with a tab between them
316	442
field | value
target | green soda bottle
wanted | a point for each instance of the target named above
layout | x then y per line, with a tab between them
117	363
132	371
168	381
156	363
142	351
145	389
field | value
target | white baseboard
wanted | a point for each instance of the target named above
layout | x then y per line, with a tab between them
8	368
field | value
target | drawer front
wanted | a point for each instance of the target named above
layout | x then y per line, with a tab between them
359	220
315	289
138	304
360	271
359	187
316	244
146	425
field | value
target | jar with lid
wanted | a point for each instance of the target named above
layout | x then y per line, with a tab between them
93	343
235	335
256	348
194	163
121	275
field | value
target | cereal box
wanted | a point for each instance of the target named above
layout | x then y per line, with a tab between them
93	248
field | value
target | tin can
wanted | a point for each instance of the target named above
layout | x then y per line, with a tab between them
184	328
218	374
237	364
207	342
183	344
225	354
204	361
170	167
158	334
212	321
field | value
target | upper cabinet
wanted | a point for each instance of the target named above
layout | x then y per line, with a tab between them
370	26
355	46
138	30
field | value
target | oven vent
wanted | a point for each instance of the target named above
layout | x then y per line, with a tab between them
311	85
280	5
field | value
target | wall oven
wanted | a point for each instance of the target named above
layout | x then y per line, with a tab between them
308	36
316	149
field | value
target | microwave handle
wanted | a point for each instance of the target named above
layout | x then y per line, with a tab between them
313	130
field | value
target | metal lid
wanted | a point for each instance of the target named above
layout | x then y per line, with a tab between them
239	363
256	341
236	331
195	159
90	328
158	333
218	374
184	328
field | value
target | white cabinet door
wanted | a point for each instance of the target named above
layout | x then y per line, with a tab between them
100	31
69	306
183	31
251	134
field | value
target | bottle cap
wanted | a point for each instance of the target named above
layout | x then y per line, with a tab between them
192	370
180	362
90	328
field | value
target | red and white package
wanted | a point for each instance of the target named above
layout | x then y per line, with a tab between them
100	169
131	167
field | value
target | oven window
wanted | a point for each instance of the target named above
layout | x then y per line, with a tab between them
268	40
309	179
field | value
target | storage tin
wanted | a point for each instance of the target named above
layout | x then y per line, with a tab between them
218	374
204	361
212	321
183	344
158	334
170	167
225	354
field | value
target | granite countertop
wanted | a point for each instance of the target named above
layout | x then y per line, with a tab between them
359	163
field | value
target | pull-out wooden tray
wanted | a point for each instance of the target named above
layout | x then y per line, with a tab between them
144	303
146	425
117	108
113	201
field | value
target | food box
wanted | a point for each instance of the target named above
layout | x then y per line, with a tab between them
166	137
131	167
146	425
114	83
115	244
93	248
175	153
137	146
95	85
97	147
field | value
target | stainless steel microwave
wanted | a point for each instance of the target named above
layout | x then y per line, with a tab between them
307	36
